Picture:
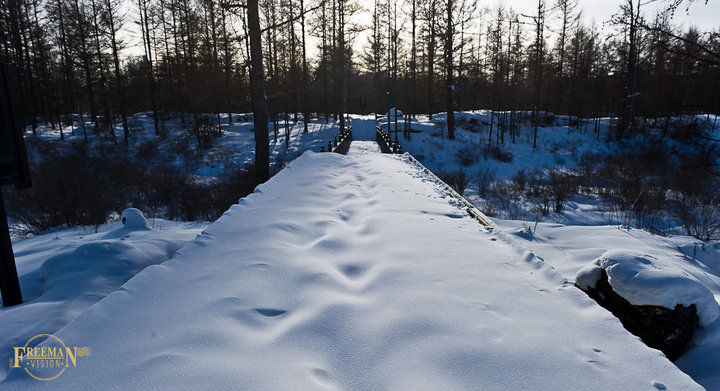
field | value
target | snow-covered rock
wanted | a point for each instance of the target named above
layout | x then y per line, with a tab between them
133	218
642	279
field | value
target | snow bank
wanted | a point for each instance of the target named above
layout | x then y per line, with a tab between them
64	273
644	280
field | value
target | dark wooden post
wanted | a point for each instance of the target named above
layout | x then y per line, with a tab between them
13	170
9	283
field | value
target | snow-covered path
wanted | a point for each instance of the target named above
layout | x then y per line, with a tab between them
353	272
363	127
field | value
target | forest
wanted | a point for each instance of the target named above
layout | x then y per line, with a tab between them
638	82
107	59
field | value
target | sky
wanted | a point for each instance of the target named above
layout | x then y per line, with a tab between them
705	17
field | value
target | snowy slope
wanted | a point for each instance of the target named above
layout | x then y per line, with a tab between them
569	248
353	272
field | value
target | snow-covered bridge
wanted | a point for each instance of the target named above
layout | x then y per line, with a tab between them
354	272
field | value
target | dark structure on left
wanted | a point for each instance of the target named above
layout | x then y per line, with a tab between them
13	171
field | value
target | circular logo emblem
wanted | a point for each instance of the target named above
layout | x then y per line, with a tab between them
48	361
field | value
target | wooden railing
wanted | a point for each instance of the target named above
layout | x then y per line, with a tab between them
341	143
385	142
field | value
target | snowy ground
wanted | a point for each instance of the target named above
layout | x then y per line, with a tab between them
354	272
585	229
233	149
569	247
557	146
337	275
64	273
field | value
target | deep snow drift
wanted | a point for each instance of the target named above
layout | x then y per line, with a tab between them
64	273
643	279
354	272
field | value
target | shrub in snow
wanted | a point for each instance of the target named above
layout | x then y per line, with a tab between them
458	180
654	300
698	217
133	218
467	155
484	180
498	154
562	186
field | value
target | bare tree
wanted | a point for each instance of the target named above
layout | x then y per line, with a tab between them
112	22
257	90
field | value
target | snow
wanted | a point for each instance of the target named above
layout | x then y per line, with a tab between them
64	273
642	279
354	272
133	219
234	148
557	145
569	248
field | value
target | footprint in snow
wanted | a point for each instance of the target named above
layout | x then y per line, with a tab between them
269	312
352	271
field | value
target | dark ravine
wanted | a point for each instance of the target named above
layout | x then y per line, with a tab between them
668	330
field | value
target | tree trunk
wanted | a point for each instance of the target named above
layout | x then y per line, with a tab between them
257	90
305	103
450	83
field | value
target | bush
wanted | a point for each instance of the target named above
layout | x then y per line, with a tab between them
205	128
561	186
547	119
456	179
699	219
519	180
66	190
687	130
498	154
466	155
81	190
538	193
147	150
509	198
586	168
485	179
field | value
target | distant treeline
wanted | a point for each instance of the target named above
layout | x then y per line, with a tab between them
72	56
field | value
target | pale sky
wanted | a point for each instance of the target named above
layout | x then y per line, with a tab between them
705	17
